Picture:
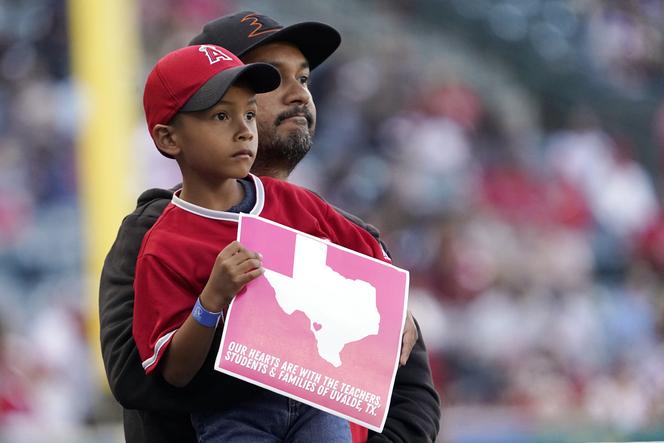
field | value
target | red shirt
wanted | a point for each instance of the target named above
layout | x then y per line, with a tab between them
178	252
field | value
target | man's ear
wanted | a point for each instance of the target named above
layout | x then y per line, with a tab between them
164	138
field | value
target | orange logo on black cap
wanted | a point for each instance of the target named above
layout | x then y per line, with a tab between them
255	21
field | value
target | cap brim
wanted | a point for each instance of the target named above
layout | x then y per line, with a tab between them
317	41
261	77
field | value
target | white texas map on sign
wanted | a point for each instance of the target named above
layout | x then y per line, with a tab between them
340	310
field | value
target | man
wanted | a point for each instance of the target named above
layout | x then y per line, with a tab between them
156	411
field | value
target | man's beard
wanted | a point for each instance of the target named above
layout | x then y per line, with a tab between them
282	153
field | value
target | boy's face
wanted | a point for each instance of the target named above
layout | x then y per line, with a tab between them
219	142
287	115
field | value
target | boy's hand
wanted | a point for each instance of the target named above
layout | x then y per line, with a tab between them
234	267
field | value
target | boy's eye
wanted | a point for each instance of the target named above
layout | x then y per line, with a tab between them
304	79
251	115
221	116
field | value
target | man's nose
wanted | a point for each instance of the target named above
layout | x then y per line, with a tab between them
296	93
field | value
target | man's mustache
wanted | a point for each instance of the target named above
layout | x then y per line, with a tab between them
301	111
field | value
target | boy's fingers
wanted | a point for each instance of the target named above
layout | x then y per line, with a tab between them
251	275
231	249
239	249
241	257
248	265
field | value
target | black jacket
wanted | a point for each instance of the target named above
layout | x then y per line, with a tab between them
157	412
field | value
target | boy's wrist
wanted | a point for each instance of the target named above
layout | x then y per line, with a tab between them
211	302
205	317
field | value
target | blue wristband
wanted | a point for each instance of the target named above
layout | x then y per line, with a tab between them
205	317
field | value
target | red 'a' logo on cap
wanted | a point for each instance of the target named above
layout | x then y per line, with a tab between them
214	54
255	21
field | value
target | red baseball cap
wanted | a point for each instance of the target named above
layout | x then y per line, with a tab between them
195	78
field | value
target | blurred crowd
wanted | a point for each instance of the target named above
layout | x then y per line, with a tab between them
45	375
536	253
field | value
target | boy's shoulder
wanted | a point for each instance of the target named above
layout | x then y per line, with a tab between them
164	232
275	183
288	196
286	189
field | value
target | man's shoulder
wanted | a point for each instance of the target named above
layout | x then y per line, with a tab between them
358	221
151	203
154	197
135	225
149	207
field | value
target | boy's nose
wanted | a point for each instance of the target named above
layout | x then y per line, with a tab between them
245	133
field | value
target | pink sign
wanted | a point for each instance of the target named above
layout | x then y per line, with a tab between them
323	325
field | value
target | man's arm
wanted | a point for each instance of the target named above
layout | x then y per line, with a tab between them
157	427
414	414
127	380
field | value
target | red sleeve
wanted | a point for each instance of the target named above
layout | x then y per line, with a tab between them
163	302
348	234
359	434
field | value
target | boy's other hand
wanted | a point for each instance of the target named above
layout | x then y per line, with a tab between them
234	267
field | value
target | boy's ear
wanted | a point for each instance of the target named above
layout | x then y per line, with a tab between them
164	138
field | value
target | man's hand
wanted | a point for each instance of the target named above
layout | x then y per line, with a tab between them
408	338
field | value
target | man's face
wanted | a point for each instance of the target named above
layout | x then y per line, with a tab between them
286	117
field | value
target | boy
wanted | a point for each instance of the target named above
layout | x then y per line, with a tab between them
200	107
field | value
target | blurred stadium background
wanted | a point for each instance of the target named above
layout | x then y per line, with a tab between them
509	150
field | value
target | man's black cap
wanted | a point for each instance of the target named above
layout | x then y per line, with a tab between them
241	32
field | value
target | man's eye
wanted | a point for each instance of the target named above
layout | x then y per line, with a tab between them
304	79
221	116
251	115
